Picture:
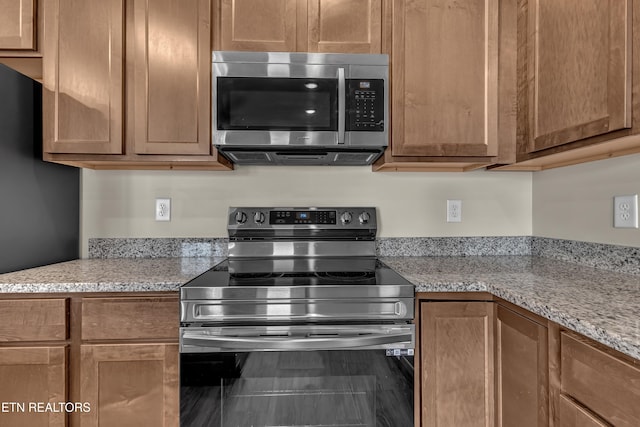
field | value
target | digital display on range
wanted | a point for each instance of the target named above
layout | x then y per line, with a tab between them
302	217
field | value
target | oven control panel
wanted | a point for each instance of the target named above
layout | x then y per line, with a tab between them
300	218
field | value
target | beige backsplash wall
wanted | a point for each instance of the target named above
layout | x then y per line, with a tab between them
121	203
576	202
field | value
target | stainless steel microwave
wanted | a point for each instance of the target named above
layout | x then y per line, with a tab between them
300	108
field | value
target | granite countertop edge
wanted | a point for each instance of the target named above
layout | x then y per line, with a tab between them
545	297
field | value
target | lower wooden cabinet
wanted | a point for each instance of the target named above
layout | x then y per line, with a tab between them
521	371
456	347
133	385
33	377
572	414
608	385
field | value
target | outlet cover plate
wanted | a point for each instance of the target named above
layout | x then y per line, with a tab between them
163	209
454	210
625	211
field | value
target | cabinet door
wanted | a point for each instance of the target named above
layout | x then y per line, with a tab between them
571	414
35	375
172	78
261	25
445	78
579	69
457	340
83	76
133	385
17	23
605	383
352	26
522	371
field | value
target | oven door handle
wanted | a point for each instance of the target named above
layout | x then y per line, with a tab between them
313	342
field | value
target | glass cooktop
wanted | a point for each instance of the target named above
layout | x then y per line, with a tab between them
265	272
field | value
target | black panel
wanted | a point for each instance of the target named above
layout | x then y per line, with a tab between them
302	217
274	103
365	105
40	201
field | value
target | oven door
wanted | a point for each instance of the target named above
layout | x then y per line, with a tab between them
297	376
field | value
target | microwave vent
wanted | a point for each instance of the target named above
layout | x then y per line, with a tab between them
249	157
356	158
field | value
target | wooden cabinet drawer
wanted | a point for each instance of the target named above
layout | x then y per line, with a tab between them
571	414
33	320
130	318
607	385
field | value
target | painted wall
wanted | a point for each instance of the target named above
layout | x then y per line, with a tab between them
121	203
576	202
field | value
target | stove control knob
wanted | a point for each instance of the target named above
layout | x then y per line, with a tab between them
258	217
345	218
364	217
241	217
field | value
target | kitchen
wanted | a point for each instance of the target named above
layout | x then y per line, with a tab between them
572	203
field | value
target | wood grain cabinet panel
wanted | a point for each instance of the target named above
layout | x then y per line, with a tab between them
172	79
130	318
445	78
579	69
33	320
33	374
259	25
334	26
134	385
17	25
353	26
608	386
83	76
457	358
571	414
521	370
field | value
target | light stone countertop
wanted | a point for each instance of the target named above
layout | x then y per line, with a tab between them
108	275
602	305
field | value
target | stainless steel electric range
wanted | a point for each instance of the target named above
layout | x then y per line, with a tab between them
301	326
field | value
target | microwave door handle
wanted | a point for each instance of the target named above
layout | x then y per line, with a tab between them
341	105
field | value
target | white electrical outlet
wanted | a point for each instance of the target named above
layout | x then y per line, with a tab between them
163	209
625	211
454	210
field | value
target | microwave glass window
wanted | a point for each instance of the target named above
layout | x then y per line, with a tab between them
248	103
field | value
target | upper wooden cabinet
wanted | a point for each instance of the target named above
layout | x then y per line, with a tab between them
579	70
150	59
17	25
342	26
575	99
21	36
172	81
83	103
447	60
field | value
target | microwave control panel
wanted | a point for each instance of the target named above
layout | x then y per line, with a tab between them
365	105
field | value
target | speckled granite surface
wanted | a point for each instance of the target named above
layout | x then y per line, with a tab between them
157	247
608	257
107	275
602	305
623	259
454	246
